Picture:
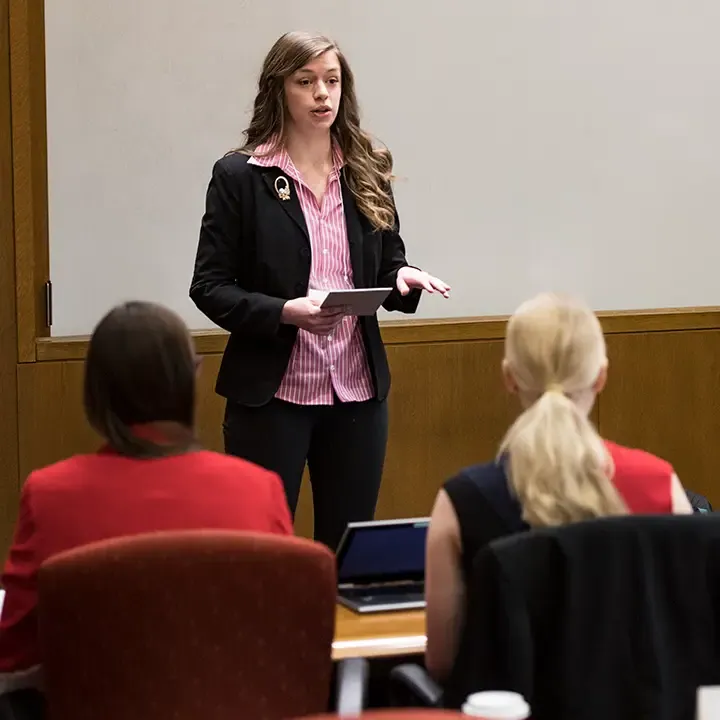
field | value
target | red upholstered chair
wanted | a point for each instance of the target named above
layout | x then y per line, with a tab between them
200	624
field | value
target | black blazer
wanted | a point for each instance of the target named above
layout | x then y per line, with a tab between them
254	255
610	618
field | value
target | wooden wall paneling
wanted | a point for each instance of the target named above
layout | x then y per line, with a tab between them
210	406
51	421
8	326
443	330
29	142
448	409
663	395
660	320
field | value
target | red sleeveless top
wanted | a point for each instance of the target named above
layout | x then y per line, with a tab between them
643	480
486	508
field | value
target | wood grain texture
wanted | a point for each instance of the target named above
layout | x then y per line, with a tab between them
663	395
441	331
444	395
8	328
29	145
50	418
378	635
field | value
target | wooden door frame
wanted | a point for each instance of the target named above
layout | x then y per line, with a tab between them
29	170
9	452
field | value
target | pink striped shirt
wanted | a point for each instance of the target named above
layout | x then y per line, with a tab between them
337	362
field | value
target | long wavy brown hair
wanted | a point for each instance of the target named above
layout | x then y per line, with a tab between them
368	168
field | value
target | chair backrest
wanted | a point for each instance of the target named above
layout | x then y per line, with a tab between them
612	618
700	504
188	625
407	714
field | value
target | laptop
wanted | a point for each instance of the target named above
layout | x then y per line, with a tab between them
381	565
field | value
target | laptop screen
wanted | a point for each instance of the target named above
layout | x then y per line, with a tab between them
383	552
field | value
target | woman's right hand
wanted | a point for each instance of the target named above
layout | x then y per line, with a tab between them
308	315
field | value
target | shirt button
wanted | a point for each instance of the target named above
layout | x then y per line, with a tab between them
329	337
325	251
346	277
332	367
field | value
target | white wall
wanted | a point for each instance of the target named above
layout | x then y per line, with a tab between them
543	144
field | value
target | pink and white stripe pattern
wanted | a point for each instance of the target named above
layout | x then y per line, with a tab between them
320	364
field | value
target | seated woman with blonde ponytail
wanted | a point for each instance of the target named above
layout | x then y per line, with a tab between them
552	466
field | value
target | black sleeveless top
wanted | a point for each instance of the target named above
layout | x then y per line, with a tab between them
486	509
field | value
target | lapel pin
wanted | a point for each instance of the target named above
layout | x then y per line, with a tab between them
282	187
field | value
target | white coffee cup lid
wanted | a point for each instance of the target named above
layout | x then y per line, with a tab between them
497	705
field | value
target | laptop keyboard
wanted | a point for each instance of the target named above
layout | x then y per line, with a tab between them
398	599
382	594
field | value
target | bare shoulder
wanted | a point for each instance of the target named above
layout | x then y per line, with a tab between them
680	502
444	525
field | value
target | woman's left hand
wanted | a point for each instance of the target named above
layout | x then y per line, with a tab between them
409	278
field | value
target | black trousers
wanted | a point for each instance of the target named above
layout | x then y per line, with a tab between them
342	444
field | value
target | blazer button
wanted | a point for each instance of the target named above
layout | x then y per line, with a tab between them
300	288
305	252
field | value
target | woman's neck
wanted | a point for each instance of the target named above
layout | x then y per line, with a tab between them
313	151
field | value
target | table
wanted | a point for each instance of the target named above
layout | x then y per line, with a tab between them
386	634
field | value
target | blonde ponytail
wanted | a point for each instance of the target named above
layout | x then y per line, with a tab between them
556	462
558	466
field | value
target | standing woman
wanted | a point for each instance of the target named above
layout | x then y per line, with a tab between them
305	204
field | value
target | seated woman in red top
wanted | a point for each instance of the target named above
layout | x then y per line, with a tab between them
151	475
552	467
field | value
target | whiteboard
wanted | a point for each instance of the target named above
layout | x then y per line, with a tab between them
540	144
